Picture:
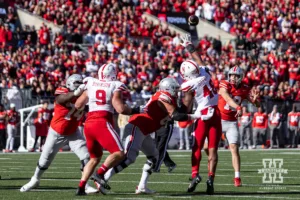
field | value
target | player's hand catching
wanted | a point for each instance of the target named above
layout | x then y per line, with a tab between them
186	39
79	90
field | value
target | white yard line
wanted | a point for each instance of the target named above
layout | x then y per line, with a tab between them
183	183
174	197
134	198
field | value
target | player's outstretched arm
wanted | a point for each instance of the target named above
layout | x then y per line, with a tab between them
187	43
65	98
223	92
82	101
121	107
174	113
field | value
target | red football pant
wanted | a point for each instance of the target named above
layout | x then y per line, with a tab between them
99	135
212	129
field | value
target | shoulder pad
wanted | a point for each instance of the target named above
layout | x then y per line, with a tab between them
165	98
186	86
224	84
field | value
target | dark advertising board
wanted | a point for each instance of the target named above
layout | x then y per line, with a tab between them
177	19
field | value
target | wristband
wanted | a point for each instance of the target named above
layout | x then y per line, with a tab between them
239	108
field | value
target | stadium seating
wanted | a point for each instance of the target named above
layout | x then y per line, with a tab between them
267	46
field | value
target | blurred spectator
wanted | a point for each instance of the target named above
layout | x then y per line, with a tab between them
41	130
13	96
240	43
3	117
217	45
245	122
13	121
260	125
293	124
275	119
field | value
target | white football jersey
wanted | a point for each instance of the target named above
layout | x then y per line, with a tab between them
205	93
100	94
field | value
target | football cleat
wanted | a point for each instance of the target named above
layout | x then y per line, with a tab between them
100	188
89	189
210	186
171	168
194	183
33	183
80	192
100	183
143	190
237	182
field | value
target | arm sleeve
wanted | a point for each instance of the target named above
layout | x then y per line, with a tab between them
177	116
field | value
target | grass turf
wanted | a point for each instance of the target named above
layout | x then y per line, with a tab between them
61	179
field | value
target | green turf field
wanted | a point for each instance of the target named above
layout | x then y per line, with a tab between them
61	179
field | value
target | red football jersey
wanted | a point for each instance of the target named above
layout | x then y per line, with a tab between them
294	118
41	127
260	120
46	113
245	118
2	121
66	118
13	117
155	117
275	118
238	95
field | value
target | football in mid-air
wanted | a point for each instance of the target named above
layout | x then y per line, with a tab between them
193	20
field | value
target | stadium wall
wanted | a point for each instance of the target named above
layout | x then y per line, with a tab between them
27	18
209	29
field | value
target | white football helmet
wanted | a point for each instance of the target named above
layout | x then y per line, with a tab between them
236	71
169	85
108	72
74	81
189	70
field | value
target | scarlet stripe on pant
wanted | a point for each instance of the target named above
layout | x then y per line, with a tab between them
99	135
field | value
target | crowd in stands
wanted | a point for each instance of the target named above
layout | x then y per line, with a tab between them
267	44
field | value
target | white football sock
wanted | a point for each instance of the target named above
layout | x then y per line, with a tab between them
237	174
144	179
109	174
38	173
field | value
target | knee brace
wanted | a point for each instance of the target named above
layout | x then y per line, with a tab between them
150	164
83	163
124	164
